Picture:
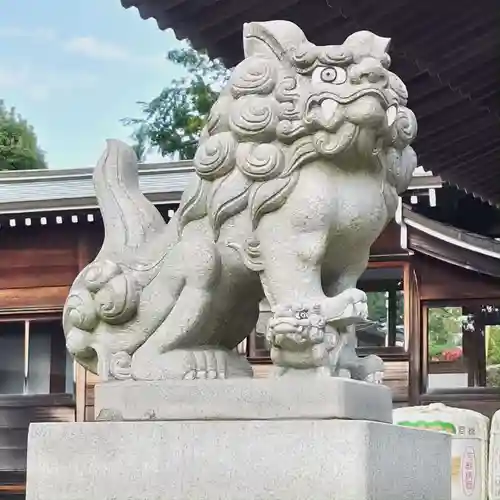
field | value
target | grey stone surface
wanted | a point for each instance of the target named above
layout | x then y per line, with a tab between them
237	460
297	173
273	398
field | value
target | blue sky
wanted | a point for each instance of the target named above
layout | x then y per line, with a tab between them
74	68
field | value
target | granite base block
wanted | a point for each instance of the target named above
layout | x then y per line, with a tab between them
237	460
244	399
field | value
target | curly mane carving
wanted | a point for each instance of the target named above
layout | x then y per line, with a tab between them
255	141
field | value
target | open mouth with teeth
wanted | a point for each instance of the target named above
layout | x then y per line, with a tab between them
333	132
326	109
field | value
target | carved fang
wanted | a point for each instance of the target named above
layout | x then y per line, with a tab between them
328	108
391	114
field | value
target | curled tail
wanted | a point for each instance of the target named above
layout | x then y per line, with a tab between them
106	294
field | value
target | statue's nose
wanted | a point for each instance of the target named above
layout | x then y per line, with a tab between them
367	71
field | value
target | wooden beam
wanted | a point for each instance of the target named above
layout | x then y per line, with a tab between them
16	299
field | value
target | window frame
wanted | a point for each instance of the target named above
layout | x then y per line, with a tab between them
458	392
38	315
394	353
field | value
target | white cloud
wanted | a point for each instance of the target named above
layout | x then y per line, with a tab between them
35	34
86	46
40	85
94	48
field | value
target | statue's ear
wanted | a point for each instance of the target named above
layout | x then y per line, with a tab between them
367	44
274	39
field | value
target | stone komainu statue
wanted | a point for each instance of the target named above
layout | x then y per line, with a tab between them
297	173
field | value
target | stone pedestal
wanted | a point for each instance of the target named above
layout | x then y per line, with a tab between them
234	452
244	399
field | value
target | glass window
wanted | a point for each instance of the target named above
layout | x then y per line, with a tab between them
385	324
50	366
463	346
39	361
33	358
12	356
446	368
492	344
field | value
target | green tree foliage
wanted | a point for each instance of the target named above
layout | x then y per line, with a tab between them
493	356
445	323
141	142
19	148
172	122
493	345
377	307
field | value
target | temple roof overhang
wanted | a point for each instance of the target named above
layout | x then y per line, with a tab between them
450	244
36	191
447	58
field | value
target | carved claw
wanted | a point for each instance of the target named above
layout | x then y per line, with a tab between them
189	364
375	378
207	365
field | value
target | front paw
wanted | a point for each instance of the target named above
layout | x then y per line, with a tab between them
189	364
296	327
296	334
346	308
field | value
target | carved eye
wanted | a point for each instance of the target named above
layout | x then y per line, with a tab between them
330	74
302	315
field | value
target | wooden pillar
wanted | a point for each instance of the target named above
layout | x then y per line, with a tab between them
474	349
80	391
84	257
392	316
416	342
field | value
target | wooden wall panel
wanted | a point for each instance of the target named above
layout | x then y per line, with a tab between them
16	414
38	257
441	281
39	264
396	377
36	275
96	238
32	298
388	242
